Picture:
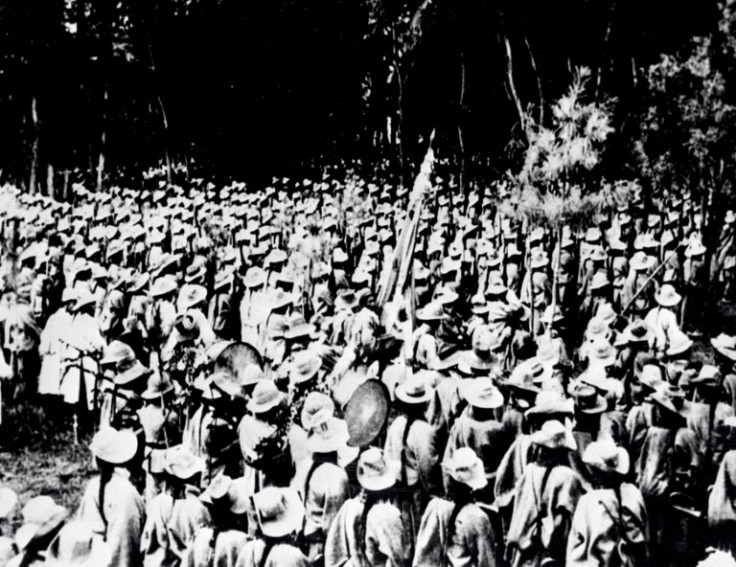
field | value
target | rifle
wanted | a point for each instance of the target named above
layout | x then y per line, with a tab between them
643	286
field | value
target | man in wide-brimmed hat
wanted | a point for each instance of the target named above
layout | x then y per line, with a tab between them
662	319
374	512
612	506
479	426
707	418
411	441
263	437
320	480
545	500
724	346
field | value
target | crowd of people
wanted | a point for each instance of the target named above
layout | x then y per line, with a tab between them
327	374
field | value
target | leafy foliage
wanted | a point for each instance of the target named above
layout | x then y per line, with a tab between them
688	128
557	183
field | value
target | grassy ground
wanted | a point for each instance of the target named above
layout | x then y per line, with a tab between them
48	463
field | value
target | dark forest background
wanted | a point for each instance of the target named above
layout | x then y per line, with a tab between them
101	90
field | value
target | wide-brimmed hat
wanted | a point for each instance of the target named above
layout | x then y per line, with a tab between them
186	327
478	304
636	332
339	256
76	545
181	463
374	471
601	353
496	287
672	399
414	390
195	272
117	352
651	376
587	400
538	259
276	256
254	277
680	343
228	493
280	299
553	435
593	235
192	295
430	312
305	366
481	393
552	314
250	375
83	300
709	375
227	383
666	296
725	345
163	286
157	388
695	248
327	435
317	406
223	280
40	531
465	467
299	329
599	281
139	284
266	396
597	329
113	446
522	380
280	511
132	374
640	262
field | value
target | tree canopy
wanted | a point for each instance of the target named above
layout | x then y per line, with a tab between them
248	89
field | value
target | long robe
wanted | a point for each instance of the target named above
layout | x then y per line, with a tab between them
473	543
281	555
156	541
122	524
51	349
223	552
596	536
385	537
536	525
489	439
722	505
83	339
323	498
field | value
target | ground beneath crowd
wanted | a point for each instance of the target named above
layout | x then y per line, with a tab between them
51	463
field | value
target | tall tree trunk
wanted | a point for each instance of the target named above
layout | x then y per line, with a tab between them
103	143
32	181
604	49
512	85
538	78
50	181
460	137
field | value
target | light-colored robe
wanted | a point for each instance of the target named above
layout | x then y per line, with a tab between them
124	512
534	526
385	537
473	543
594	536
